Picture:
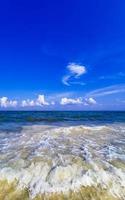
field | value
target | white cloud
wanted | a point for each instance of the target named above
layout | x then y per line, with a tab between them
13	103
65	80
74	72
32	103
90	101
77	101
76	69
5	102
28	103
24	103
65	101
40	101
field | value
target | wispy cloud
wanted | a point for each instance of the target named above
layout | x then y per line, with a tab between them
74	71
119	75
113	89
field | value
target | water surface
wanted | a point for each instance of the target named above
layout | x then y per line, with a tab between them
62	155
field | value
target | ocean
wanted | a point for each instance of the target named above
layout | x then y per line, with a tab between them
55	155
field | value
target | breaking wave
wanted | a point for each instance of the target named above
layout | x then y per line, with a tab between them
63	160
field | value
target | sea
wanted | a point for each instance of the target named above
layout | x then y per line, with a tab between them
62	155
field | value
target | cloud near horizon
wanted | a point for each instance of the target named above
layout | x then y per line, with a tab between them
77	101
75	71
63	99
5	102
40	101
90	101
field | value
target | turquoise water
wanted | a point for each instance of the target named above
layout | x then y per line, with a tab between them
58	152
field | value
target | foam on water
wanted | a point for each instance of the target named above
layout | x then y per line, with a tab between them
55	159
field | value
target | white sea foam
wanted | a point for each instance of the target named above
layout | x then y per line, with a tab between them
53	159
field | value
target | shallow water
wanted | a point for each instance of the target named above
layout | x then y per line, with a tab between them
67	159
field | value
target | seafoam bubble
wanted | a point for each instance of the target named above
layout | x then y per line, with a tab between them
52	159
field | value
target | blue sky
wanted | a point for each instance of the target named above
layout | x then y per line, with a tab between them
66	55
